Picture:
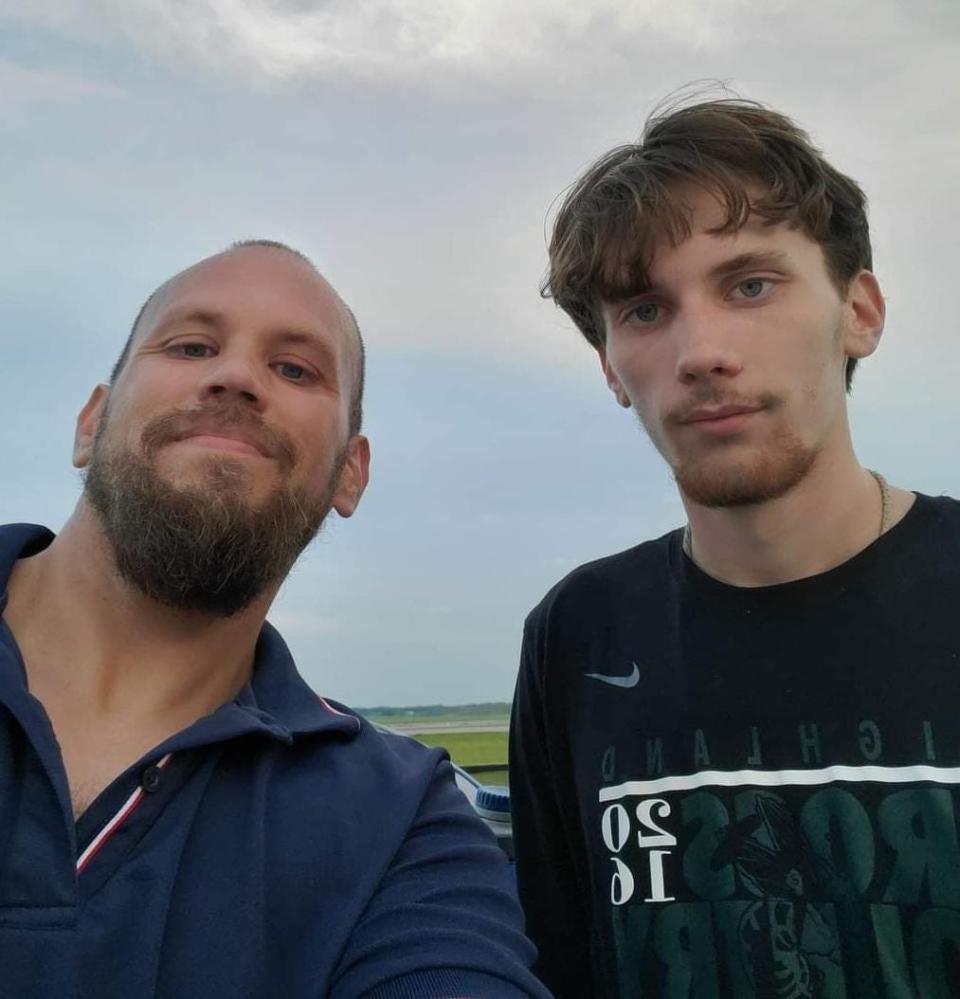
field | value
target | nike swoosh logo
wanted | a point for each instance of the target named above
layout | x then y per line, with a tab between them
630	680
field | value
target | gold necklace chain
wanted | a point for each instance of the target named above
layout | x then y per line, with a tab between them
884	513
884	502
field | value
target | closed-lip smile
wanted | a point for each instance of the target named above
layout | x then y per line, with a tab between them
707	413
247	441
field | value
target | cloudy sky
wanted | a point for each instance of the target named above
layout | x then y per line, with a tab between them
414	149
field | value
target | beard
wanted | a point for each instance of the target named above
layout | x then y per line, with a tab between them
717	476
200	548
732	475
719	480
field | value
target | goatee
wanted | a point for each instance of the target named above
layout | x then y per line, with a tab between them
199	548
717	480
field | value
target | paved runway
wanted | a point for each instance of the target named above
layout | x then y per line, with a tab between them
453	726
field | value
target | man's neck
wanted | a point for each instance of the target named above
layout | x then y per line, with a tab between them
831	515
85	630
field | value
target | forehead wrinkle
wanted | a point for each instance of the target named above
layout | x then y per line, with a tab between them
204	317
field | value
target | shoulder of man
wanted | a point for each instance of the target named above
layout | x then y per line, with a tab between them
930	530
604	582
381	759
352	798
375	853
946	510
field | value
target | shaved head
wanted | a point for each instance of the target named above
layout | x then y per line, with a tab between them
350	326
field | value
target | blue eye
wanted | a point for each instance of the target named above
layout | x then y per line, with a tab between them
295	372
752	287
648	312
192	350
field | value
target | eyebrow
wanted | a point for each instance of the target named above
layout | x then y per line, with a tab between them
216	321
750	262
755	260
294	337
301	337
205	318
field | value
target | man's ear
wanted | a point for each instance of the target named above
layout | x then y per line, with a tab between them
87	423
865	312
353	476
612	380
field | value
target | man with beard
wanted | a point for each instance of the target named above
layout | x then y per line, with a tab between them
180	815
734	749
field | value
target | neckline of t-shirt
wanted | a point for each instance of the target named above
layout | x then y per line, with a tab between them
692	575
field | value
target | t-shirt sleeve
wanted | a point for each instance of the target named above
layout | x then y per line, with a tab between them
444	922
554	903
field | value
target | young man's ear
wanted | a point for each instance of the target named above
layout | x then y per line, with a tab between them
613	382
865	312
353	476
87	423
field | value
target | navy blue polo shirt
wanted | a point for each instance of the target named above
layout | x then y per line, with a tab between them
280	846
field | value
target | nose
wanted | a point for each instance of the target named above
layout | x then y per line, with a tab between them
234	374
707	347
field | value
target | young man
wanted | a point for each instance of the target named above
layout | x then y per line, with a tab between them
180	815
734	754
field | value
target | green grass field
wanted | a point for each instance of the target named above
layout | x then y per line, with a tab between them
468	748
409	718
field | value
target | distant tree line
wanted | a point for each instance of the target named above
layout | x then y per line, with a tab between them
490	710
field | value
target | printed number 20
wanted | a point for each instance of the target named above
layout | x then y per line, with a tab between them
615	825
654	836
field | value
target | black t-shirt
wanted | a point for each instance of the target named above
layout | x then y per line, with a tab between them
722	791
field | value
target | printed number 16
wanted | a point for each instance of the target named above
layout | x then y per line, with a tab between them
615	827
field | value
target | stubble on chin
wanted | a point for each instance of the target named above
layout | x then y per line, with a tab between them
722	479
730	473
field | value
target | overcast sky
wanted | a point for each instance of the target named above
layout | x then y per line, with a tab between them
414	150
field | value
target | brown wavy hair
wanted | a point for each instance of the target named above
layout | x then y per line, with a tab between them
604	234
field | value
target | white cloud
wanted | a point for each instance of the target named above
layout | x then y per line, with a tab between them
497	40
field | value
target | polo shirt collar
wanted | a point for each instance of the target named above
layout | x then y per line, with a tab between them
276	702
19	541
278	692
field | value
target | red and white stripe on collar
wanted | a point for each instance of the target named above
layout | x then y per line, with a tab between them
126	810
327	706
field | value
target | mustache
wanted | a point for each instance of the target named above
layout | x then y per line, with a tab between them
227	416
712	398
